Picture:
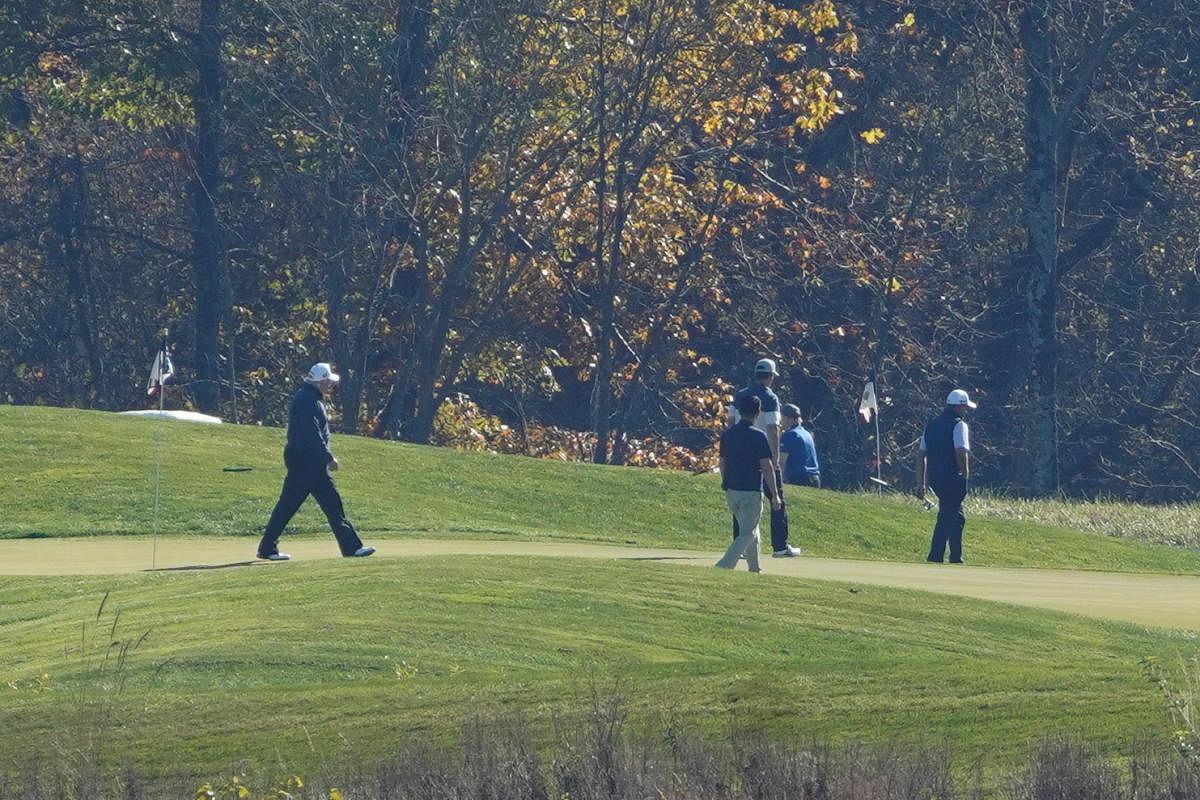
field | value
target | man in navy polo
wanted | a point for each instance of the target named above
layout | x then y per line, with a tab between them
945	460
768	421
746	466
797	451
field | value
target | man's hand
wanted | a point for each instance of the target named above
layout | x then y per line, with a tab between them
921	493
333	465
775	504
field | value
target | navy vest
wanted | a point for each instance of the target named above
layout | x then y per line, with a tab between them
939	447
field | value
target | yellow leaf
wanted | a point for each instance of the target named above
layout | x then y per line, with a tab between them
873	136
910	19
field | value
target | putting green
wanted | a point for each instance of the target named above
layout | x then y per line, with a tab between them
1167	601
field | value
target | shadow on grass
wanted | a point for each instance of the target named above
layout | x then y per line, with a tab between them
196	567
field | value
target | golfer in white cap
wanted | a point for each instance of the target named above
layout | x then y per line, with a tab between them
944	462
768	420
309	463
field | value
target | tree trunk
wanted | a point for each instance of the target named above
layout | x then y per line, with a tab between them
69	252
207	252
1041	225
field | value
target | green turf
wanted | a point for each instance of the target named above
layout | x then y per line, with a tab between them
78	473
299	667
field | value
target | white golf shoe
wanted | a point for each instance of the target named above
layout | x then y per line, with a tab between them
363	552
275	556
787	552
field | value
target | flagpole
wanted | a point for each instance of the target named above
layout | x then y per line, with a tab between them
158	448
878	463
157	475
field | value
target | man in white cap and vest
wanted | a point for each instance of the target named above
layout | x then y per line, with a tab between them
944	462
309	463
768	421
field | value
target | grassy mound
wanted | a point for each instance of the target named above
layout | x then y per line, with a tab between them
81	473
301	667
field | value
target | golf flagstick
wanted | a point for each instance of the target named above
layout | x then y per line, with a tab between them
878	462
158	448
869	407
159	372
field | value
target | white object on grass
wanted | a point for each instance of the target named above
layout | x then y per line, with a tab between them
184	416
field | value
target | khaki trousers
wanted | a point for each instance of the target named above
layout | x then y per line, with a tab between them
747	510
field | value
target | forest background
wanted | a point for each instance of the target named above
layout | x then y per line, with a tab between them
567	228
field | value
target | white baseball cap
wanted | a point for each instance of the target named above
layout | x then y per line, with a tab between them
322	372
765	366
960	398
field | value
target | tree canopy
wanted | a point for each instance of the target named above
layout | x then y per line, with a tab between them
569	228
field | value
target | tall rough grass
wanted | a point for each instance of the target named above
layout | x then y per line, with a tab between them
594	757
1175	525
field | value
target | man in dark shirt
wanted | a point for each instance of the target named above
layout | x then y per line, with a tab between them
765	374
309	463
746	466
945	460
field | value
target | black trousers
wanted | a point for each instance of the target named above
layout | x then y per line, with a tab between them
950	492
779	520
305	477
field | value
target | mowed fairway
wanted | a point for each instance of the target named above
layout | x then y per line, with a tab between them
73	473
480	601
1165	601
295	668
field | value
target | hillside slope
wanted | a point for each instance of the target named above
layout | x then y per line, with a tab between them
78	473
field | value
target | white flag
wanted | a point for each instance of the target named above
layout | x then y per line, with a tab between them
160	371
868	405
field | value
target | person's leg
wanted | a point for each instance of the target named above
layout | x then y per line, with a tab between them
941	529
957	520
751	516
331	503
294	493
740	505
779	519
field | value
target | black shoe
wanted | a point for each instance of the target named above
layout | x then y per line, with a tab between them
957	561
934	560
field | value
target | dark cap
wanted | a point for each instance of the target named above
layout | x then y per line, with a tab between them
790	410
748	406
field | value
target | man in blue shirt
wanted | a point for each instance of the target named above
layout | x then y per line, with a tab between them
797	451
746	467
768	421
945	460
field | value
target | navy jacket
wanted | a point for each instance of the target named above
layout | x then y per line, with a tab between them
308	428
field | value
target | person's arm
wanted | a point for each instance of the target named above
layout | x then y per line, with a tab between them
721	467
783	459
772	431
962	449
313	427
921	470
767	467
